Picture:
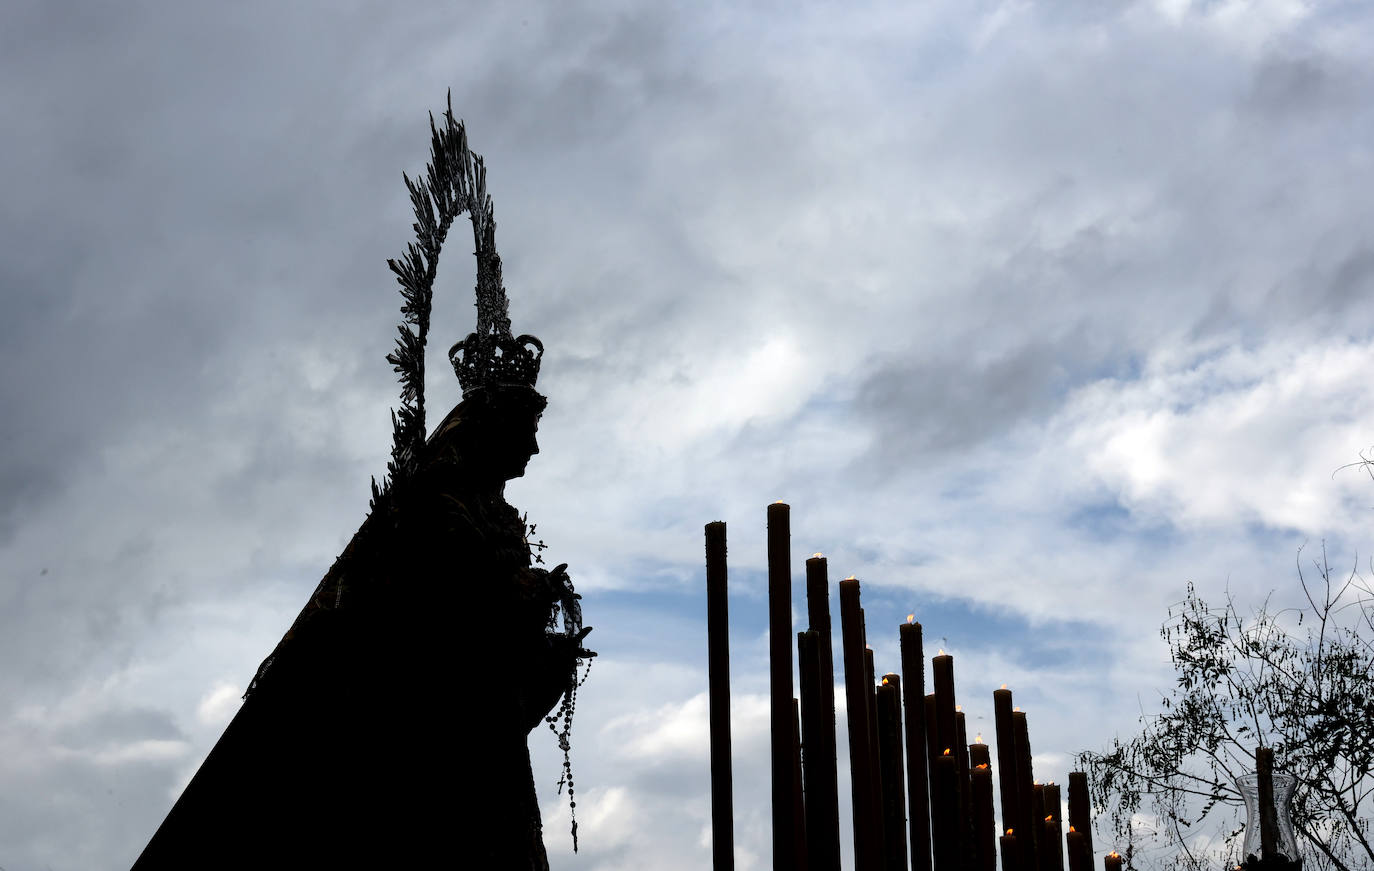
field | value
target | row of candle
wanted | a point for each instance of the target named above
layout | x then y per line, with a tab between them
949	781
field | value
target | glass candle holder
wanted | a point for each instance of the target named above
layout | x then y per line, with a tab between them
1284	842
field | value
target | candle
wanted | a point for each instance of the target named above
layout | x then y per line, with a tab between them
869	677
822	814
780	680
941	804
1080	809
962	767
1080	855
1268	818
1053	811
1011	854
822	779
1051	846
877	799
1111	861
890	759
1025	790
984	827
798	804
1052	803
942	674
718	667
1006	757
917	758
1038	807
943	809
979	754
867	852
932	738
942	671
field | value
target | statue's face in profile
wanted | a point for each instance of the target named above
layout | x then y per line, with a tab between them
495	435
515	444
505	442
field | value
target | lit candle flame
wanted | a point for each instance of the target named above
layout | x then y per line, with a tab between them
911	618
941	653
884	681
1004	686
816	556
1009	831
851	578
1115	855
1049	817
779	502
946	753
978	739
981	765
958	707
1016	710
1072	829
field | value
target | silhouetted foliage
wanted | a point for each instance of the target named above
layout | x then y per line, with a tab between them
1298	680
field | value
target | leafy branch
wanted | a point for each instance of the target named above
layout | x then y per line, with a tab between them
1243	682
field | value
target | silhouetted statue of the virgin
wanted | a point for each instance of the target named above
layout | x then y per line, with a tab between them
390	724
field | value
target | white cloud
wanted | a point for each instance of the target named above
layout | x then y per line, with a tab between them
219	704
1246	436
679	731
138	751
1112	261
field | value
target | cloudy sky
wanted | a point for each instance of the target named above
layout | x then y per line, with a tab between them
1033	312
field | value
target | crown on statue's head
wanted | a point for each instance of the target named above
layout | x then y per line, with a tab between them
491	357
494	360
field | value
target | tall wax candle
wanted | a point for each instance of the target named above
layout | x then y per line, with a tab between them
1080	809
932	738
1011	854
1051	846
874	749
799	853
818	771
1054	812
822	785
1038	812
1269	824
870	677
1053	805
1080	857
780	683
943	813
979	754
941	804
718	669
984	826
1006	757
962	767
1025	792
917	756
890	760
942	673
867	848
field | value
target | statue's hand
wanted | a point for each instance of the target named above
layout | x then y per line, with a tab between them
552	675
582	652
